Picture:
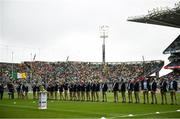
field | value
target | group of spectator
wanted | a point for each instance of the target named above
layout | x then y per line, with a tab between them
79	70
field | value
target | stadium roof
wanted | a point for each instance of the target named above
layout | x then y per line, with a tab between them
174	47
162	16
173	65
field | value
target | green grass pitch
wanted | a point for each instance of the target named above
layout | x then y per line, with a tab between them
70	109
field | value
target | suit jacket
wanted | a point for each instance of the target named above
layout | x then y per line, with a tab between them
136	86
97	87
88	87
123	87
175	85
60	88
104	87
163	86
130	87
154	86
93	87
116	86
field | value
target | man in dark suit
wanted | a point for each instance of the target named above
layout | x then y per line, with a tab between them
10	87
48	90
26	90
70	90
1	90
97	90
123	91
115	90
82	90
34	90
104	90
153	88
163	88
130	89
88	89
18	89
93	89
56	89
145	88
173	88
52	88
136	91
65	86
61	91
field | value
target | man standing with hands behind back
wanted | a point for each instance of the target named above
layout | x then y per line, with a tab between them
1	90
115	90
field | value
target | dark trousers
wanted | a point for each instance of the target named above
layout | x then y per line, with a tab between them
11	95
1	94
104	96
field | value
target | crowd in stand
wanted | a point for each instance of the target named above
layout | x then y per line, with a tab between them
80	81
79	70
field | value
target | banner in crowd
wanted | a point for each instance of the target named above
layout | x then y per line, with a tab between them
15	75
21	75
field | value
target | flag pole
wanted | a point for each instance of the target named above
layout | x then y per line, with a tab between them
12	64
143	66
31	65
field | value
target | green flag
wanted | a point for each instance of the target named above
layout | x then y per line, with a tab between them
14	75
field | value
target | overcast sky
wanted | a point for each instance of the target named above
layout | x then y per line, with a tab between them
55	29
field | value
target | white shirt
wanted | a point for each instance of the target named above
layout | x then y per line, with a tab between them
145	85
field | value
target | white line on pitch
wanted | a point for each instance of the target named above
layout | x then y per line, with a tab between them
131	115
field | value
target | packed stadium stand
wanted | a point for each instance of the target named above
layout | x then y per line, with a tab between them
166	17
79	70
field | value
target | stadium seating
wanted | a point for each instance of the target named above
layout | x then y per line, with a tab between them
80	70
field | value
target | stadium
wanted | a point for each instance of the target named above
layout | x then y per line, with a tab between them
79	89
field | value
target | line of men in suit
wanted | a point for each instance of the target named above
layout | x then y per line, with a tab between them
90	90
78	90
21	87
148	85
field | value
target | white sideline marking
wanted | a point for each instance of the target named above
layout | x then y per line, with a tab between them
157	113
144	114
103	118
130	115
